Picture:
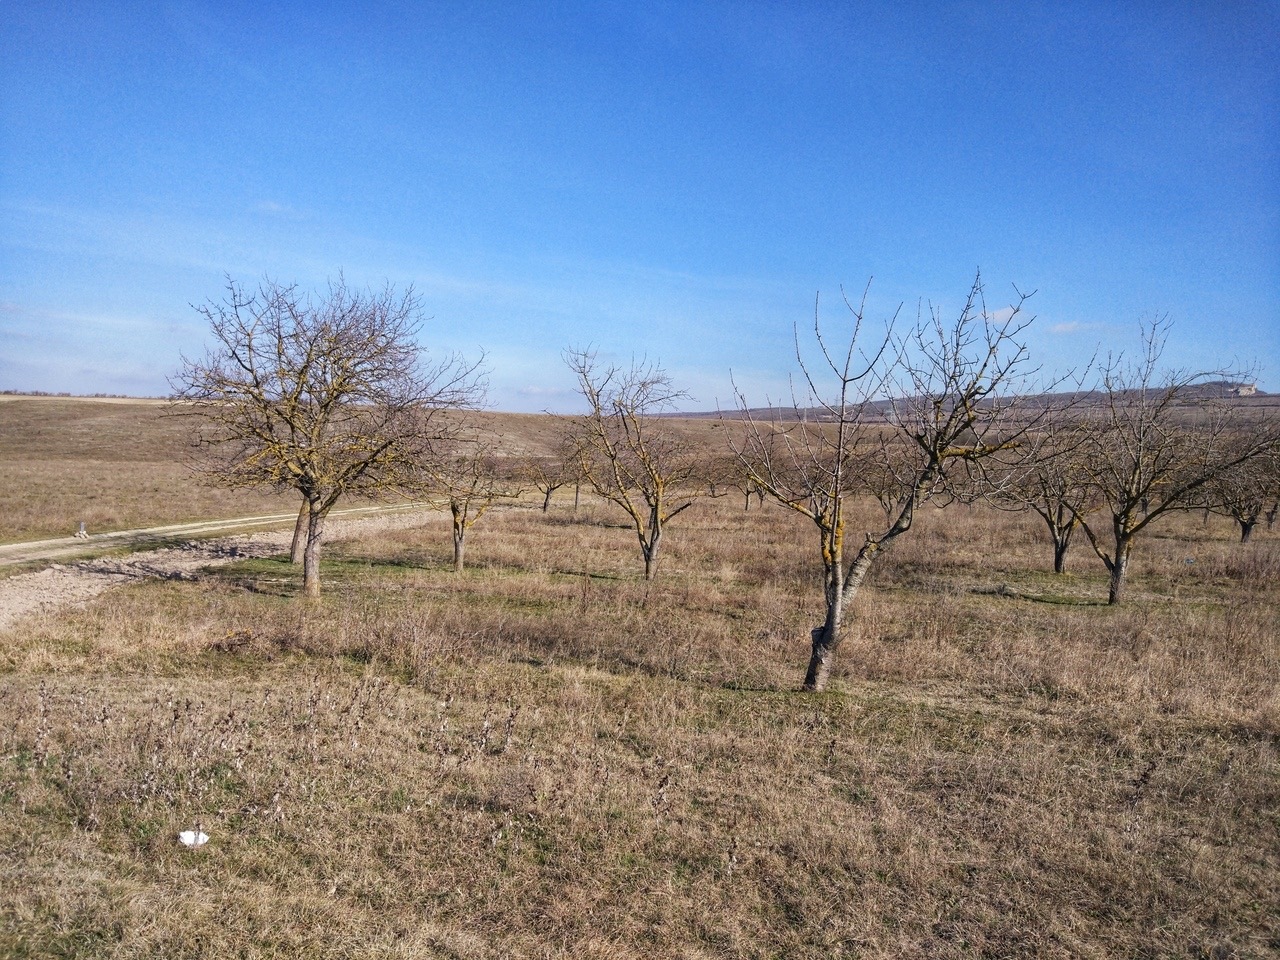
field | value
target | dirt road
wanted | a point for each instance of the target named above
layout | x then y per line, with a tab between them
98	543
61	585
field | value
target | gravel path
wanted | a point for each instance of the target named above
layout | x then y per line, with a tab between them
72	584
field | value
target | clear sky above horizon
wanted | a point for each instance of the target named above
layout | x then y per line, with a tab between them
669	180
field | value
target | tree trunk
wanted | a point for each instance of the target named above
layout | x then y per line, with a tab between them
311	556
650	559
299	545
841	588
1246	529
546	500
459	548
824	640
1061	541
1119	567
649	546
458	511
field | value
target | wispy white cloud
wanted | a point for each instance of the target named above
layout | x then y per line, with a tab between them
82	233
282	211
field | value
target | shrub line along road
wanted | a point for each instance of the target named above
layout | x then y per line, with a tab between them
66	547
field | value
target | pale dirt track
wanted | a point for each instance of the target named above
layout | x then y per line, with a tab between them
73	583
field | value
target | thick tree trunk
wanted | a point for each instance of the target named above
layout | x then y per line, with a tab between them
649	546
824	640
299	545
650	559
458	511
1060	544
841	587
1246	529
1119	567
311	556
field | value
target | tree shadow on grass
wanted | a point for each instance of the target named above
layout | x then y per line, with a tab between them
587	575
1053	599
280	589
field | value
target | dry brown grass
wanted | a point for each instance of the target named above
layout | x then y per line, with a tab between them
548	757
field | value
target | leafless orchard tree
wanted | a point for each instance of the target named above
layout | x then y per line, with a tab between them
1154	441
1050	477
1247	493
946	382
627	454
328	397
726	473
547	474
472	479
885	464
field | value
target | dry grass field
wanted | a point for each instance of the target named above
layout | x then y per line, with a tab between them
114	464
546	756
120	464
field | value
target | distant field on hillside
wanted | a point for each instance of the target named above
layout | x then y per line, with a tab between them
113	464
121	464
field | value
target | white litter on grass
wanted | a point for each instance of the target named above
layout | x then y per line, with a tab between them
193	838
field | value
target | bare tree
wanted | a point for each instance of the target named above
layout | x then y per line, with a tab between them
472	479
886	463
945	382
329	397
627	454
725	471
1050	477
548	474
1153	442
1247	493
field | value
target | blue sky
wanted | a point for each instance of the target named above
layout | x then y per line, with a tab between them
674	181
